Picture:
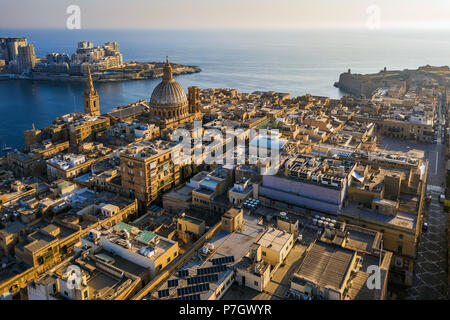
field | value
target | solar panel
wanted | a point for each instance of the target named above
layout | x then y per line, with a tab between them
172	283
209	270
191	297
222	260
163	293
202	279
193	289
183	273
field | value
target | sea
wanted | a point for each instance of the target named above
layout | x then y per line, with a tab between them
292	61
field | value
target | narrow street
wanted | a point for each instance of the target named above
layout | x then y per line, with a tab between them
430	273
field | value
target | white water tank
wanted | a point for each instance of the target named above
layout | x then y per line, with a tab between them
147	252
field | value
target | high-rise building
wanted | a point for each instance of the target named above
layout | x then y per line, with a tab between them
85	45
26	58
112	45
4	49
91	100
13	47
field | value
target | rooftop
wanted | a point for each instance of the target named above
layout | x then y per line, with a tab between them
274	239
225	244
326	265
401	219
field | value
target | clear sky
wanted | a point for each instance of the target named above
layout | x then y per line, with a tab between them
118	14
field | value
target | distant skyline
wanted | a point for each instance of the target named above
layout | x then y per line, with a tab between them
205	14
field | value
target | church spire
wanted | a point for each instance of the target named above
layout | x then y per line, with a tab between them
91	100
168	76
89	82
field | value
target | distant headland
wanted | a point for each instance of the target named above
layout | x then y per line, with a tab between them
366	84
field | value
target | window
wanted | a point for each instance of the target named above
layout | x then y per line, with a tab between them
400	236
256	283
85	294
168	259
400	249
264	253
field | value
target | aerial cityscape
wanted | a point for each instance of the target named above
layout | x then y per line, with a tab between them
197	192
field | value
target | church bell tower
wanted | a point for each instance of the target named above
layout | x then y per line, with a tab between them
91	101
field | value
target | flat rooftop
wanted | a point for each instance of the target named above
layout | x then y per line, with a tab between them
182	194
401	220
326	265
274	239
360	240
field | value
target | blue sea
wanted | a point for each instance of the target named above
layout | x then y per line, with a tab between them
293	61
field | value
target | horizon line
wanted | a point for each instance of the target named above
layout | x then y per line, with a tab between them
246	28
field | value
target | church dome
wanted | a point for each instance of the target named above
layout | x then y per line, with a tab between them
168	93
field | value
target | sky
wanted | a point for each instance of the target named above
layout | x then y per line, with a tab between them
224	14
